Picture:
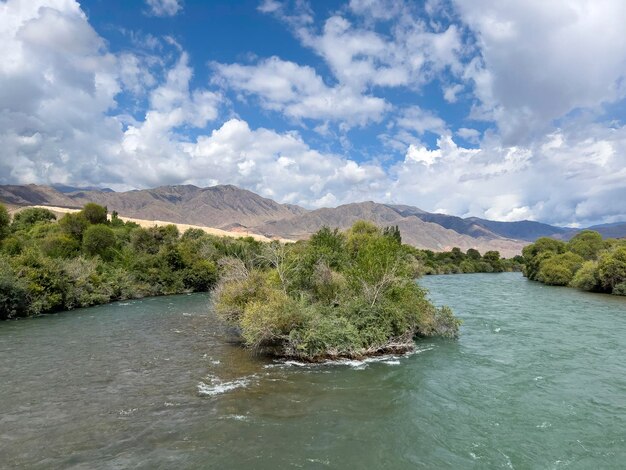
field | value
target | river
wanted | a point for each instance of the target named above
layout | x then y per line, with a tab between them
536	380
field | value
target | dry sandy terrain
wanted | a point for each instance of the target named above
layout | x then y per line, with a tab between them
152	223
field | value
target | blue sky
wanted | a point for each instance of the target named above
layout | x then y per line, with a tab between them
506	110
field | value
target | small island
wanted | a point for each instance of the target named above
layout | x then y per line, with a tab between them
336	295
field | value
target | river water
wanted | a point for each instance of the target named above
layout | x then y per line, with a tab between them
537	380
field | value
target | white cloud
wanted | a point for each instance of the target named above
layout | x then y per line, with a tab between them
420	121
471	135
542	60
360	57
164	7
450	93
299	92
563	177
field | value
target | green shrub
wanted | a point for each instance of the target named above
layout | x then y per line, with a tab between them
558	270
338	295
99	240
13	293
94	213
612	268
74	224
60	245
5	221
30	216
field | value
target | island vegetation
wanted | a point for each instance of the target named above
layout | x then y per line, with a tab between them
337	294
586	261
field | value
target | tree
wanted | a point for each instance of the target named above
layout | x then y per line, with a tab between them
5	221
559	270
99	240
493	258
95	213
586	244
13	294
473	254
393	232
28	217
74	224
586	277
612	268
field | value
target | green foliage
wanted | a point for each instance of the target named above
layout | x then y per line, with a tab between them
94	213
74	225
587	262
455	262
5	221
47	266
99	240
586	244
586	277
28	217
60	245
559	270
336	295
12	245
13	293
612	268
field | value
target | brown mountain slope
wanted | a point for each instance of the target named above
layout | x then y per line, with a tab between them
414	231
230	208
217	206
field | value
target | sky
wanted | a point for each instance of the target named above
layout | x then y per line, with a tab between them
502	109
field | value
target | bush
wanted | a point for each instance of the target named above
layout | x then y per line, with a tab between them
13	293
99	240
5	221
28	217
586	277
94	213
338	295
619	289
586	244
74	225
558	270
612	268
60	245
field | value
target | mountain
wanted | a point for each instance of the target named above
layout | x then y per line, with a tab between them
415	231
218	206
230	208
614	230
71	189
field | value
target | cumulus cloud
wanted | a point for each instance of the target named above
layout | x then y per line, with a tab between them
420	121
57	83
562	177
164	7
539	61
299	92
360	57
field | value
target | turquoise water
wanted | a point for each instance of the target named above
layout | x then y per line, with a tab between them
537	380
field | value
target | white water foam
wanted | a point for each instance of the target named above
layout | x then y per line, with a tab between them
389	359
217	386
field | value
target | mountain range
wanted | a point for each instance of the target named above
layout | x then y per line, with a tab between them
234	209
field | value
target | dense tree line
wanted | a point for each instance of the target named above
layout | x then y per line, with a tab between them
457	262
83	259
587	262
335	295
